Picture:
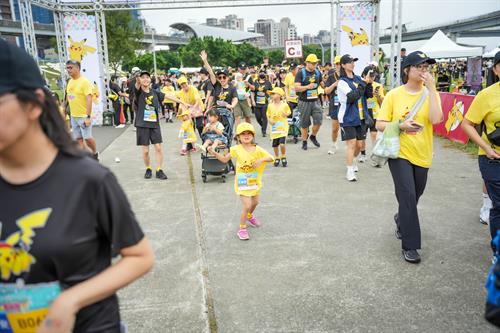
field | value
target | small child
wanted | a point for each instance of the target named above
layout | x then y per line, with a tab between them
251	161
277	114
186	132
168	105
213	133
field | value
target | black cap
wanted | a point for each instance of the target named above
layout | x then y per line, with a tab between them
497	58
222	71
19	70
346	58
203	70
416	58
282	70
145	72
242	65
293	65
369	68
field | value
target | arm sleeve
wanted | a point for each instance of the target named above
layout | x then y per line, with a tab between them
476	112
116	220
355	94
385	112
342	90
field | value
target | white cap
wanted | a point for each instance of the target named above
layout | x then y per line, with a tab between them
136	69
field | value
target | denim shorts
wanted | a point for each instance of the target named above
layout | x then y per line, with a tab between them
80	131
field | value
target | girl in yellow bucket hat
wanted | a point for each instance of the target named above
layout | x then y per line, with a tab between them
277	114
251	161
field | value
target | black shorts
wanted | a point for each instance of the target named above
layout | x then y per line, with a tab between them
353	132
373	128
147	136
168	107
279	141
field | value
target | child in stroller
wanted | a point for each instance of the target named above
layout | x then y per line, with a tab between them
211	165
213	133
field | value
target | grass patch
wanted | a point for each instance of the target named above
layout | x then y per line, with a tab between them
470	148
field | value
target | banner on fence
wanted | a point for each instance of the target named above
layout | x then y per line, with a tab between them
474	77
455	107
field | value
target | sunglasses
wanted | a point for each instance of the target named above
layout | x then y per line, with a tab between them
222	77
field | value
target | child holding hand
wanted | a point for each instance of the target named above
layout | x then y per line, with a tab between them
277	113
213	132
251	161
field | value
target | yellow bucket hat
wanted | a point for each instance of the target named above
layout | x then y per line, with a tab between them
312	58
182	80
245	127
277	90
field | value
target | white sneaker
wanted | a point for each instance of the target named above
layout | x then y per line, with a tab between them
484	214
351	175
362	158
134	129
355	168
333	150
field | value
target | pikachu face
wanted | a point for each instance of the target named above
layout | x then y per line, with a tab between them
78	50
356	38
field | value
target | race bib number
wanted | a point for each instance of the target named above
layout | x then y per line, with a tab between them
371	104
278	128
336	101
23	309
150	114
312	94
247	181
293	93
260	100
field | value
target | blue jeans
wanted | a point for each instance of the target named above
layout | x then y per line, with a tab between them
490	171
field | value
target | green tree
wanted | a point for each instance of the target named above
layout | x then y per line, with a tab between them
123	35
276	56
249	54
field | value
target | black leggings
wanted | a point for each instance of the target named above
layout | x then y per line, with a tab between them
261	116
116	115
409	184
198	124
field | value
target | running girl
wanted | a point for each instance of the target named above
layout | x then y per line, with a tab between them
251	161
213	133
277	113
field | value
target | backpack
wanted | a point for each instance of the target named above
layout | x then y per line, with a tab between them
304	75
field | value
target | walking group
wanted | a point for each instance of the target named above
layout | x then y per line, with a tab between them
60	230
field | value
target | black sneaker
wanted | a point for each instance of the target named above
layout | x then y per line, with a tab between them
263	134
284	162
314	141
148	174
277	162
411	256
161	175
304	145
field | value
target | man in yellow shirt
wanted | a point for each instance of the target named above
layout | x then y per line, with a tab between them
79	98
485	109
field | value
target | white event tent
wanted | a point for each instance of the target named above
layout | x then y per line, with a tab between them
440	46
491	54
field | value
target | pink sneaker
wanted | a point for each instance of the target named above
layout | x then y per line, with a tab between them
254	222
194	150
243	234
183	152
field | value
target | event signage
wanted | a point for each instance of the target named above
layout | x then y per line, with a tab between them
356	33
293	48
455	107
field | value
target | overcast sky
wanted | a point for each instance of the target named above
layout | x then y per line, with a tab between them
310	19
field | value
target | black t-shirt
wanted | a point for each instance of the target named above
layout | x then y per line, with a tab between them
261	92
72	219
116	89
311	77
147	106
206	86
332	78
224	94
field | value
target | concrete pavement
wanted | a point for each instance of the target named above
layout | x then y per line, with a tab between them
326	259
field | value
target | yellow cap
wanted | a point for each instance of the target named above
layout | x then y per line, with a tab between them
337	59
182	80
312	58
277	90
245	127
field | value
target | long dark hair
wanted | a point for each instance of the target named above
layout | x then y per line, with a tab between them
51	121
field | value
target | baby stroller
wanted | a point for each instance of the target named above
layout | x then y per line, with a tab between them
294	125
211	165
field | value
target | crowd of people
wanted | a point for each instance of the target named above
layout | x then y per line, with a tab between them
37	155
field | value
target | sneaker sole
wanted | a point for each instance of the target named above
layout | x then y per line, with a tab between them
411	261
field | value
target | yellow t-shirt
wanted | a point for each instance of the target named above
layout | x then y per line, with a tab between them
416	148
187	132
168	91
77	92
248	180
191	97
486	107
373	102
290	85
278	114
